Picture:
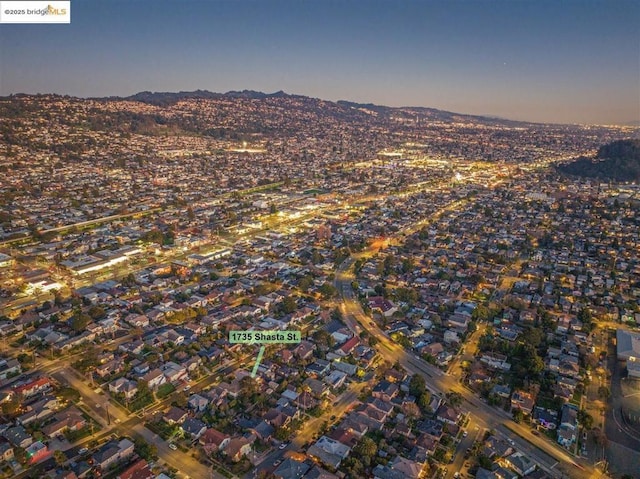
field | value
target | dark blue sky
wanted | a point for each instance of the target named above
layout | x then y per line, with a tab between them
557	61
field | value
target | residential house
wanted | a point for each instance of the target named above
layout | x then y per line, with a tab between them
348	346
238	447
33	387
291	469
329	451
495	361
197	403
385	390
410	469
6	450
304	350
568	429
175	415
193	427
495	448
318	473
113	453
138	470
38	411
18	437
124	386
546	418
263	431
523	400
385	472
448	414
213	440
520	463
37	452
71	419
154	378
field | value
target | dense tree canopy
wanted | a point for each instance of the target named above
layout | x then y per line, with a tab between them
618	161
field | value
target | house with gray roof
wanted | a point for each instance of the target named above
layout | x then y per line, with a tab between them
329	451
291	469
628	345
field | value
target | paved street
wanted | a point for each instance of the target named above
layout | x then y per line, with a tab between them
546	454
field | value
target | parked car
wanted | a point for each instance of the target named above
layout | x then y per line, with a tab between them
173	447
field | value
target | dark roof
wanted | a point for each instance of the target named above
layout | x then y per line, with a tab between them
193	426
291	469
264	429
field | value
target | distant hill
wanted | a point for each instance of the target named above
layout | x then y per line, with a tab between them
617	161
432	113
381	111
168	98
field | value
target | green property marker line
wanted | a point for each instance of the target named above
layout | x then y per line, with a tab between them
255	367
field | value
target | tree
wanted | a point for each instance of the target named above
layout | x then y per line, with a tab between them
316	257
289	305
327	290
586	317
604	393
305	283
323	339
407	265
11	405
129	281
424	401
80	321
366	447
417	385
145	450
282	434
97	312
534	336
481	313
485	462
518	415
389	264
143	387
585	419
59	457
454	398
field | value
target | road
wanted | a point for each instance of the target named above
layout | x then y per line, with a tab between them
114	419
474	434
554	460
118	420
309	430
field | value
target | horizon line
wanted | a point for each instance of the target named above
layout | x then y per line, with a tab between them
631	124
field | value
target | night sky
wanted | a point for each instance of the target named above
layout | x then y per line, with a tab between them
550	61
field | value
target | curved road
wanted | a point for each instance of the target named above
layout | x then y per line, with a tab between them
551	458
